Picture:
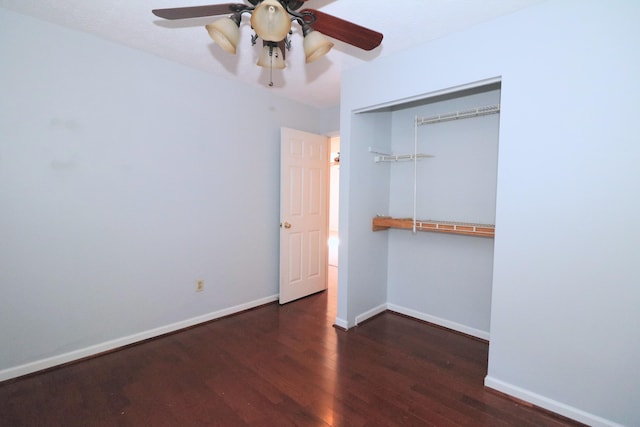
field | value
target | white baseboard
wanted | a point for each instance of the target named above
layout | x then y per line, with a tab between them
370	313
549	404
341	323
440	321
61	359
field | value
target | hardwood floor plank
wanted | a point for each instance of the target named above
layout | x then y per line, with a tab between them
277	366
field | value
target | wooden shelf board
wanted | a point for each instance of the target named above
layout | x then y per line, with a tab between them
380	223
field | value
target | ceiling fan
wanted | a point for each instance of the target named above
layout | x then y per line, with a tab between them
271	20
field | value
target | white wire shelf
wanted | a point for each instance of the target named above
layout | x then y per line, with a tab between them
400	157
467	114
380	223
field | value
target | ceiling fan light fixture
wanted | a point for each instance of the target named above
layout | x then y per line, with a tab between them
315	44
271	21
225	33
271	57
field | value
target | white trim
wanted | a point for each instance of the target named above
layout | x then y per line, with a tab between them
341	323
549	404
370	313
440	321
453	89
71	356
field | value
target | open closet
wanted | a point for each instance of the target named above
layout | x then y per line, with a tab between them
441	163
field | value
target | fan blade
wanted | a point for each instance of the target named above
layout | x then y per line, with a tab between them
295	4
345	31
199	11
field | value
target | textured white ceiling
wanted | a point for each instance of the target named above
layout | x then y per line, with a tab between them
404	23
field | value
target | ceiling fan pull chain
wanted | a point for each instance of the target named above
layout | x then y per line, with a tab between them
270	66
270	76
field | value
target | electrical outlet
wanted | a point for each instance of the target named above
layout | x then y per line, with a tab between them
200	285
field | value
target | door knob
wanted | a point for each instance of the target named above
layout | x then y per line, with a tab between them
287	225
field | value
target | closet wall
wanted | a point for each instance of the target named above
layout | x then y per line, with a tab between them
444	278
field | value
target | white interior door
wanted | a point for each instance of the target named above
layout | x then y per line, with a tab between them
303	214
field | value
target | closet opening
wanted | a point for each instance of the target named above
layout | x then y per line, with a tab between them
435	160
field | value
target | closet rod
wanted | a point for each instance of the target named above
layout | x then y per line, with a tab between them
481	111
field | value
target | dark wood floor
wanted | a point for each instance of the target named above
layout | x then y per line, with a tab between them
276	366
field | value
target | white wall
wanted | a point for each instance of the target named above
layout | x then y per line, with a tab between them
363	190
565	298
123	179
